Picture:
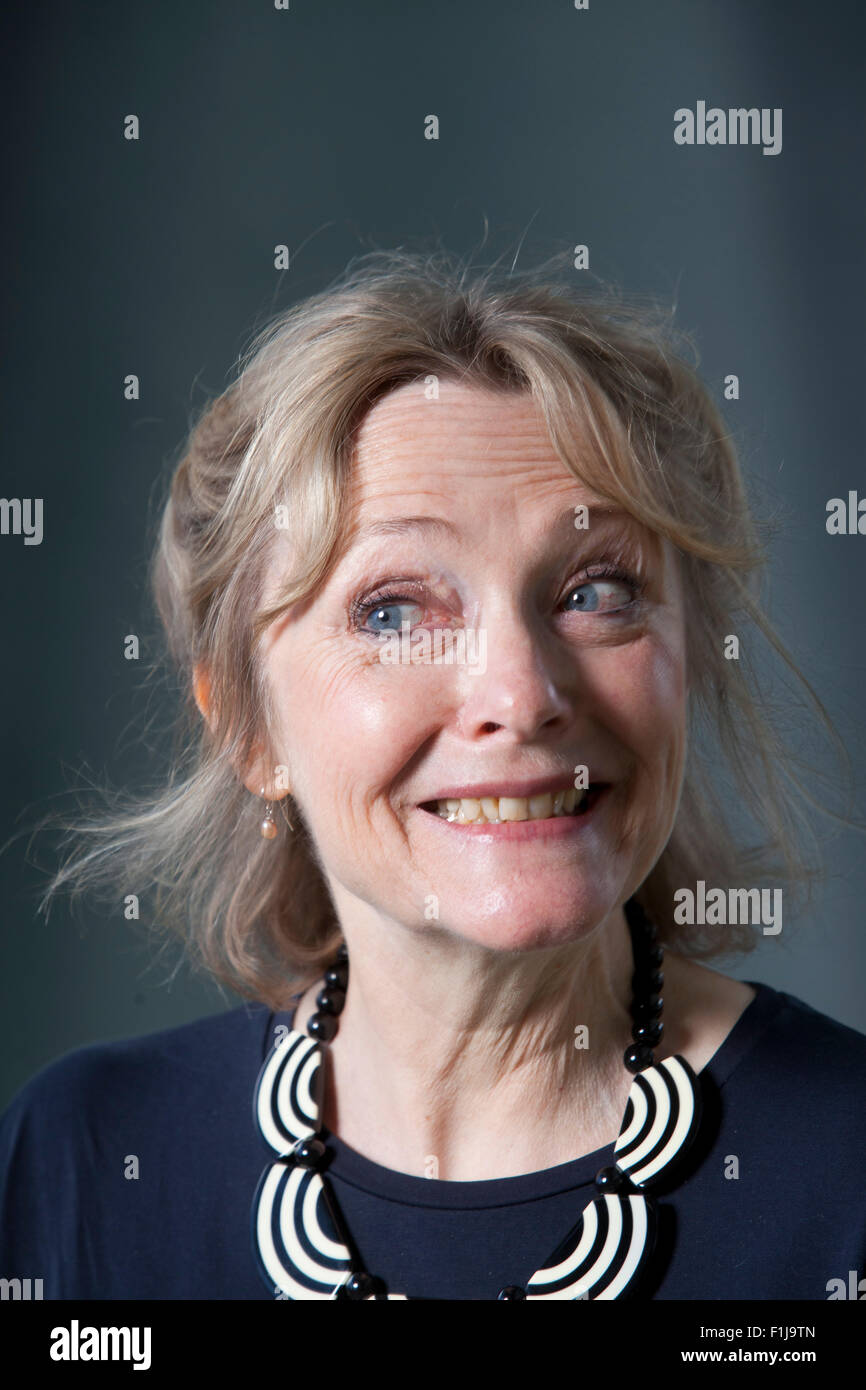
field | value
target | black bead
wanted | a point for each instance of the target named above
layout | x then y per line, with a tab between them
330	1001
646	1009
644	949
359	1285
648	955
650	1034
647	982
640	924
342	952
309	1152
612	1180
323	1027
637	1057
337	977
512	1291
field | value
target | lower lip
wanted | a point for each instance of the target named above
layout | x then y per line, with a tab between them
552	827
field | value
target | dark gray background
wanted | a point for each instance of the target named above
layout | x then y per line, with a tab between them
306	127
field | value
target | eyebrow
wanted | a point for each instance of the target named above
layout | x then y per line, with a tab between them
400	525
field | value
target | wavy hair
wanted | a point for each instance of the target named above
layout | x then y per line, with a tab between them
281	436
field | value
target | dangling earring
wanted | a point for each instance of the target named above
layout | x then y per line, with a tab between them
268	825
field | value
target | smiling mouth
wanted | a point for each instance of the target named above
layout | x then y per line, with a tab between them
495	810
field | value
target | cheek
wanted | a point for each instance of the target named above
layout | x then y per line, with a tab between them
349	728
646	700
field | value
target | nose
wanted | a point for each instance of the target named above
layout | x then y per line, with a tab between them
521	691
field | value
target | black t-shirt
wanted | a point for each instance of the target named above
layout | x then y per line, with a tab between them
128	1170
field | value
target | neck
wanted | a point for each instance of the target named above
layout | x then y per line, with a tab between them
456	1061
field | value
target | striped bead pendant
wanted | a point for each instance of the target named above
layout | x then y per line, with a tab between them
614	1238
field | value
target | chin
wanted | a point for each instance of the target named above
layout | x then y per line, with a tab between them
510	927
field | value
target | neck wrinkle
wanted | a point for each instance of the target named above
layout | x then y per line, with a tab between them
405	1084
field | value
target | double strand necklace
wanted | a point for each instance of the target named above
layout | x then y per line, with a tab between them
303	1247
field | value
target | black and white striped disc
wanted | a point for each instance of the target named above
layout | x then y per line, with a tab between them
662	1115
288	1093
615	1235
604	1253
299	1248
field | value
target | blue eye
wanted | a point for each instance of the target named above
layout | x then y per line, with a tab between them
377	608
595	596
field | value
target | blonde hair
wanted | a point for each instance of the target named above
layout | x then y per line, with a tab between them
260	917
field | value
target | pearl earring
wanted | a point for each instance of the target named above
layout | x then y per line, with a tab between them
268	825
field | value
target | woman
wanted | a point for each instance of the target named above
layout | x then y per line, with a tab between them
452	573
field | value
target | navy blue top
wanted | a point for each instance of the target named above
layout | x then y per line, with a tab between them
775	1206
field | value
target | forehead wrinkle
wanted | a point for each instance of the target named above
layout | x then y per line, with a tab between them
402	476
421	459
418	483
382	434
396	428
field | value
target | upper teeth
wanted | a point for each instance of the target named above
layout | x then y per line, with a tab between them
494	809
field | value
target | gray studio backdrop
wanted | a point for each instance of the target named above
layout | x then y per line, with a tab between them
304	126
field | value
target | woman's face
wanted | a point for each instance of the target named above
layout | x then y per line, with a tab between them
578	661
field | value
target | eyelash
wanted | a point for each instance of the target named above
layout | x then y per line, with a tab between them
384	597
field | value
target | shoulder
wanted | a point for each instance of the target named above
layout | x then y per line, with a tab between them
120	1164
792	1085
727	1025
807	1048
165	1068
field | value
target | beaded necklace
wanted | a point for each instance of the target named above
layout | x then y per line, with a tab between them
303	1248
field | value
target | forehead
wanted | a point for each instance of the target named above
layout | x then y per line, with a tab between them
411	446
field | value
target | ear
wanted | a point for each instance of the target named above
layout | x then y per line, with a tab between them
260	780
257	779
201	690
